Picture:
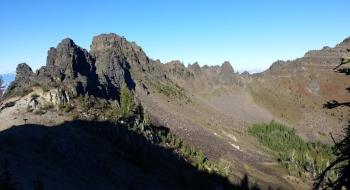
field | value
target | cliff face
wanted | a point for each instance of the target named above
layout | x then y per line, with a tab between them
98	73
68	67
319	60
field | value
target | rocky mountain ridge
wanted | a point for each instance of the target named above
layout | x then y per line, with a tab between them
210	107
107	66
325	59
113	61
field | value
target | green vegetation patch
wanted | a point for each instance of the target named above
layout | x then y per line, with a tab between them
127	104
34	96
171	90
291	151
195	157
345	61
23	92
181	72
35	84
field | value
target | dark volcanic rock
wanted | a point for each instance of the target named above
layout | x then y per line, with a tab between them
23	76
111	62
129	51
72	68
226	73
98	73
116	57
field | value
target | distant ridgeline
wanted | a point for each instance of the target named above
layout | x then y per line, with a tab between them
325	59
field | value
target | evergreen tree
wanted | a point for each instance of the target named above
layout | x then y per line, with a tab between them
2	88
6	179
200	156
37	184
127	104
341	165
341	150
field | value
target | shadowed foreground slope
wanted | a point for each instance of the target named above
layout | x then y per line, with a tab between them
98	155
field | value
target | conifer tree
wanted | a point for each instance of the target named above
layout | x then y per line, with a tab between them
2	88
127	104
6	179
341	150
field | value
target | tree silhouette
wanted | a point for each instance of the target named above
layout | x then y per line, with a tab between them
37	184
341	150
2	88
6	179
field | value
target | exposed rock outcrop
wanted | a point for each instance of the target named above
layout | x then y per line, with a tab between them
314	88
323	59
74	71
23	77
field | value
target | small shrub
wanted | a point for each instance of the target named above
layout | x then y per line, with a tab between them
200	156
6	95
71	95
35	84
103	104
193	151
34	96
55	85
45	89
177	142
200	167
68	108
345	61
25	92
222	169
29	108
91	117
75	116
81	98
48	106
60	106
39	112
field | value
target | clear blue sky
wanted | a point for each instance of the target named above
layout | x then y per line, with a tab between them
249	34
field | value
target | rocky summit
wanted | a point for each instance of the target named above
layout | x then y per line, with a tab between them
112	118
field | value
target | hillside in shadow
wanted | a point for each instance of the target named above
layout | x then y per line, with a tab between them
99	155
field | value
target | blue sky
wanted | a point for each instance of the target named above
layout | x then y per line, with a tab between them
249	34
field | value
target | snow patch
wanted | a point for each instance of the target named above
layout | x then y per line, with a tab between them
235	146
230	136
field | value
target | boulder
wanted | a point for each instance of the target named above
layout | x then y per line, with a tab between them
313	87
32	104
